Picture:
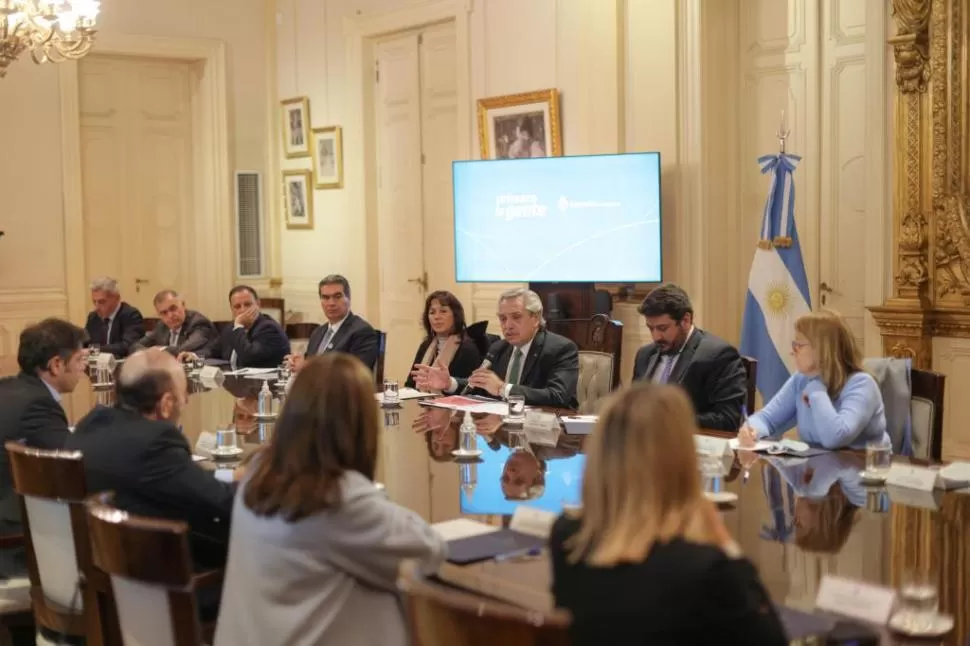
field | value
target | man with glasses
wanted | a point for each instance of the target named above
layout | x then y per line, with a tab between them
708	368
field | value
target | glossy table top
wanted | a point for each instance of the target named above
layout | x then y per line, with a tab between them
796	519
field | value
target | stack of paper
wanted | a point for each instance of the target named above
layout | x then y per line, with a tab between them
404	393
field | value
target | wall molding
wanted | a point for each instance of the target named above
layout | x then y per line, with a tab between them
213	202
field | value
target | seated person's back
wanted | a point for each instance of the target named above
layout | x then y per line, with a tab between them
329	543
647	559
137	450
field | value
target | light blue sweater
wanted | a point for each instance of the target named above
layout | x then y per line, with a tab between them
854	417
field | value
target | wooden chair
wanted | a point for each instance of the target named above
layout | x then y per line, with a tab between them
596	334
378	366
70	597
443	616
15	608
300	331
150	567
750	382
276	307
926	409
150	323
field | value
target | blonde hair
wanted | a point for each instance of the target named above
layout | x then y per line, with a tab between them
642	484
836	350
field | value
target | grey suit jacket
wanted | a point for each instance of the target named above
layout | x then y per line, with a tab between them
196	334
330	578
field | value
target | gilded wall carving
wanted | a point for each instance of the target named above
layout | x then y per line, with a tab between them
931	184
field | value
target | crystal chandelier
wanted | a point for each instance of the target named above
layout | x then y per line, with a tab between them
53	30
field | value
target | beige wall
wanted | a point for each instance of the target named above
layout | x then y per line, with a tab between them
33	279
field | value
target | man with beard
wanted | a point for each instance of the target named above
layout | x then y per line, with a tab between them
708	368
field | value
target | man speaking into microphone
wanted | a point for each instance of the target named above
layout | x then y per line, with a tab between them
530	361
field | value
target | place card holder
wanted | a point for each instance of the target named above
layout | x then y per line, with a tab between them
211	377
914	497
206	443
863	601
912	477
531	521
542	428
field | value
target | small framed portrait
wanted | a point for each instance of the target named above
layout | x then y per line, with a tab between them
298	199
296	127
518	126
328	157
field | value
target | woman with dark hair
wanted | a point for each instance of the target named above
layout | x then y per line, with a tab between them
315	546
447	342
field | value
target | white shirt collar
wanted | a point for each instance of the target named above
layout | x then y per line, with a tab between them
336	326
112	316
56	395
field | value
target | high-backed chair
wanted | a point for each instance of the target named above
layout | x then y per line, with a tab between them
596	376
378	366
299	336
275	307
69	597
596	334
750	382
443	616
926	410
150	567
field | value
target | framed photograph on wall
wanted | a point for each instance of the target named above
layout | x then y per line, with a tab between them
298	199
296	127
328	157
520	125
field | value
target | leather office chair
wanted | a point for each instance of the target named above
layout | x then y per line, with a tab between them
750	382
596	334
926	409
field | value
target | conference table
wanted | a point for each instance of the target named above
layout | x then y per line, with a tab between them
797	520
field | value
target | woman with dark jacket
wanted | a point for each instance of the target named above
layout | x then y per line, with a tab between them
447	342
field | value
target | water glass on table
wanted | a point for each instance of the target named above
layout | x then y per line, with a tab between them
391	394
225	439
919	600
516	409
879	457
94	351
198	363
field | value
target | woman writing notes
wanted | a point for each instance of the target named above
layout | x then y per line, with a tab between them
834	403
647	559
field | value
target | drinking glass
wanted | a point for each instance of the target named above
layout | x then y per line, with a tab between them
879	457
467	439
392	419
516	409
198	363
285	371
918	598
225	439
391	395
94	351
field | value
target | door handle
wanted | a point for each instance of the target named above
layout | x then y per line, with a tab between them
823	290
139	282
421	280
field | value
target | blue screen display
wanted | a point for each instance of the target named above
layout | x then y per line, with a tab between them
559	219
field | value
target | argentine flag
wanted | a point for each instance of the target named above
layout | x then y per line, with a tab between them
777	286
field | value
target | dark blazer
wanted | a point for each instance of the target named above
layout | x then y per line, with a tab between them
127	329
28	412
355	336
682	594
263	345
148	464
550	374
711	372
465	361
197	334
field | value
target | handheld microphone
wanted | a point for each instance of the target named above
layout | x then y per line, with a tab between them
486	364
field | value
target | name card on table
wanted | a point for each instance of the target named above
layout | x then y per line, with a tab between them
532	521
713	446
955	475
910	477
863	601
542	428
914	497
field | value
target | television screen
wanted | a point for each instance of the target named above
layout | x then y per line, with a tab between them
593	218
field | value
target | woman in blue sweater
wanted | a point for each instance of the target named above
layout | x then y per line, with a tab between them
834	403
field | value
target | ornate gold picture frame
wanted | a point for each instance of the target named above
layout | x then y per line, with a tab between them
295	115
520	125
298	199
328	157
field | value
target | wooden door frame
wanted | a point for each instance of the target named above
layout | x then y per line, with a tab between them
360	33
212	211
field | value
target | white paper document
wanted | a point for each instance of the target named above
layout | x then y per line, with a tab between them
452	530
245	372
579	424
871	603
405	393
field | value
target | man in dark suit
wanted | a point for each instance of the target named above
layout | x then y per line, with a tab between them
182	330
137	450
344	331
255	340
52	360
114	326
530	361
708	368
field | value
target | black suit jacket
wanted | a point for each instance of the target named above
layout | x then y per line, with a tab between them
148	464
197	334
465	361
682	594
711	372
263	345
355	336
550	374
127	329
28	413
